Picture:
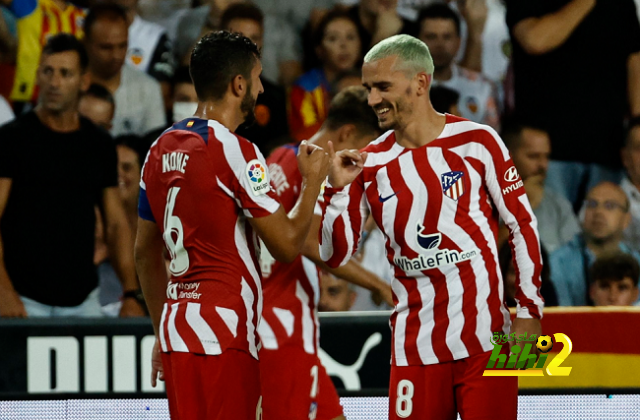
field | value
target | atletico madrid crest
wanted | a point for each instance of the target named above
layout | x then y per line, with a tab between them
453	184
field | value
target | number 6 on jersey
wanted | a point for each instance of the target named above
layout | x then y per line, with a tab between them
172	224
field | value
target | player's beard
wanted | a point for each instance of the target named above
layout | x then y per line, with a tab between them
248	106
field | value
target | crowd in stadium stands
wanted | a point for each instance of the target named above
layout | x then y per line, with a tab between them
559	80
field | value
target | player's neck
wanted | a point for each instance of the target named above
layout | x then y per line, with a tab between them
420	131
443	74
111	83
226	114
322	137
600	248
63	122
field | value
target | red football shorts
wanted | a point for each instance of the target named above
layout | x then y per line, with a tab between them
441	390
220	387
295	386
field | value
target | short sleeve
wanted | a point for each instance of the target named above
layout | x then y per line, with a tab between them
254	190
518	10
144	208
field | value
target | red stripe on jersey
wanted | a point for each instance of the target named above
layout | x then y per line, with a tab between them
185	330
383	146
494	301
414	303
438	279
469	307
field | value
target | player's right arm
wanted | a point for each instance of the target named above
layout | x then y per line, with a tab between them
151	268
284	235
344	210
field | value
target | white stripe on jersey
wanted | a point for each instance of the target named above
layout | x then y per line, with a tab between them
243	250
307	320
424	285
247	297
177	343
311	271
526	275
400	329
238	163
340	201
286	318
382	158
163	341
205	334
230	318
267	336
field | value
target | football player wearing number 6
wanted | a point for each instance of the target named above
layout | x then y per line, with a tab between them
435	185
205	194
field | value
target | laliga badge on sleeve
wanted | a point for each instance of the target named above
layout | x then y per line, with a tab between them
258	177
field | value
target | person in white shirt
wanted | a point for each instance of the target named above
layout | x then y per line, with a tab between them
440	30
150	49
138	97
631	183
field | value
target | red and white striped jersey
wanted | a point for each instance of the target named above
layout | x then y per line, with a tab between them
438	206
200	184
291	291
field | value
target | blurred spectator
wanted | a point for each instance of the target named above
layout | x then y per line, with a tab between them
530	148
377	20
132	150
138	97
606	215
97	105
6	113
70	165
579	101
335	294
614	280
440	30
631	183
185	99
337	45
150	49
270	126
509	277
8	41
345	79
444	100
38	20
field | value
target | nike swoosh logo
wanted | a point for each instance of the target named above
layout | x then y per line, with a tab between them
383	199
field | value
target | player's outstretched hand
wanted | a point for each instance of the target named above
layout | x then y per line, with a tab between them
346	165
156	364
313	163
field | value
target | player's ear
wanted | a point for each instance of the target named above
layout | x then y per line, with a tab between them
424	82
346	136
238	86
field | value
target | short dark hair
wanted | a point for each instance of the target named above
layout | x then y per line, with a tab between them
512	129
66	42
350	107
140	145
109	11
182	76
100	92
443	98
242	11
219	57
615	266
439	11
334	14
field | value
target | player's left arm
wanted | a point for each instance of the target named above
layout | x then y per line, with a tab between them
507	192
120	243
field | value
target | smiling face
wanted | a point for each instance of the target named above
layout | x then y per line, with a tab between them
340	47
391	93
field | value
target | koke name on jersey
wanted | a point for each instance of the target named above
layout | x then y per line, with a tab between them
174	161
